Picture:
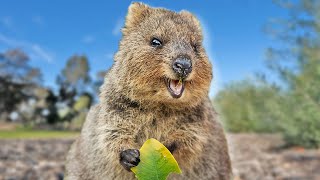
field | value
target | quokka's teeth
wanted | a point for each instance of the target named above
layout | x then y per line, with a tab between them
176	83
175	86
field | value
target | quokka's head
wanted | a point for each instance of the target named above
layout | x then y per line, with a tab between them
161	58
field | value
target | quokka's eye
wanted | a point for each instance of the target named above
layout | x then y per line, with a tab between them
155	42
195	47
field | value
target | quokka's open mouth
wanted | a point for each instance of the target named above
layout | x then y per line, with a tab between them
175	87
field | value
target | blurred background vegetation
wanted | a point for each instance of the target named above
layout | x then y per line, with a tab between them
290	106
25	101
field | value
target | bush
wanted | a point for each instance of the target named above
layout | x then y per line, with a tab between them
294	111
301	125
249	106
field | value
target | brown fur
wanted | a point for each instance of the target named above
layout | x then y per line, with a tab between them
135	104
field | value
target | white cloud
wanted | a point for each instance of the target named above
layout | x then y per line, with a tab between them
117	28
88	39
39	51
35	50
6	40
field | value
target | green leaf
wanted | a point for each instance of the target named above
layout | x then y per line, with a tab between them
156	162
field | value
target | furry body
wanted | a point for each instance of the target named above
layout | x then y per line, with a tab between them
135	104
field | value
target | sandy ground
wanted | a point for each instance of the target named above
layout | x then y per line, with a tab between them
254	157
260	157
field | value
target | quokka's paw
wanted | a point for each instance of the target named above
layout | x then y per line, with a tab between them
129	158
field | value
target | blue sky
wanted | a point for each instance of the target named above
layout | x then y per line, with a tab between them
50	32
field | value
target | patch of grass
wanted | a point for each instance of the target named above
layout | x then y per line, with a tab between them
36	134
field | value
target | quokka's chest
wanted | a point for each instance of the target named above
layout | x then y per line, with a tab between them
160	128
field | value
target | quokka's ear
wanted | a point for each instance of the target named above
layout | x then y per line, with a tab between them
136	13
191	17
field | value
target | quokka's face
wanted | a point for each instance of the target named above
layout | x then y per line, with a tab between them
163	57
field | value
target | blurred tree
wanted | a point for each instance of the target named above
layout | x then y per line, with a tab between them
52	111
294	109
81	107
74	82
17	79
99	80
298	64
74	78
76	72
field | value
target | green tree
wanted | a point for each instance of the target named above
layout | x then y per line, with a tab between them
17	80
298	65
294	109
76	72
74	78
74	83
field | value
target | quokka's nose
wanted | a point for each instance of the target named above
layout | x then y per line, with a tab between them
182	66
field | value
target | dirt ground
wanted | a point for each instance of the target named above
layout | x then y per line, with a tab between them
260	157
254	157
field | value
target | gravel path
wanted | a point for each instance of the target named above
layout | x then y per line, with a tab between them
260	157
33	159
254	157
